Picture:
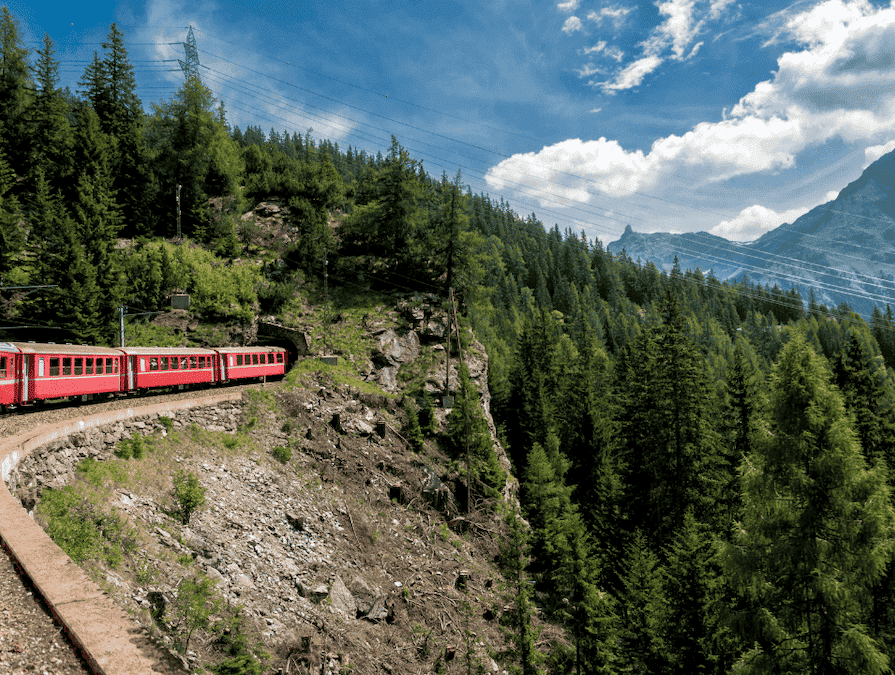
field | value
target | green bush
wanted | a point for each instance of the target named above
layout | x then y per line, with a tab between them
188	493
166	422
82	529
135	447
282	454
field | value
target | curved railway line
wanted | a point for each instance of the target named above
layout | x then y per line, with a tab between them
100	638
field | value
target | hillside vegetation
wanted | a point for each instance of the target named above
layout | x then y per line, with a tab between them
704	466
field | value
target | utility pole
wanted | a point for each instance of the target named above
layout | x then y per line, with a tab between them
190	67
121	316
325	306
178	211
447	346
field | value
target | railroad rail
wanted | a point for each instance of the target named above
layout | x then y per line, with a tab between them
111	642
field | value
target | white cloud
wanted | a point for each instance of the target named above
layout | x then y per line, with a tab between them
572	24
569	5
717	8
600	46
839	84
830	196
616	14
596	110
679	28
754	221
607	50
874	152
632	75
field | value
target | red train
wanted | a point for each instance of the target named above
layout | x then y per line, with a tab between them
32	372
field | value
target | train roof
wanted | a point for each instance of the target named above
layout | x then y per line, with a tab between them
8	347
50	348
248	350
167	351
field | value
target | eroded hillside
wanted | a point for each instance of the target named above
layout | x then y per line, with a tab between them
341	547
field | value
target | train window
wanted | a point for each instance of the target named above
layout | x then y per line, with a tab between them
239	359
79	366
88	366
40	368
153	363
279	357
99	366
231	359
114	366
142	364
66	367
3	365
255	359
184	363
54	366
194	362
175	363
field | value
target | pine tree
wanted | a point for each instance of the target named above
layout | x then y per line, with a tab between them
110	87
816	532
96	214
468	436
49	129
514	557
12	239
15	94
642	611
693	630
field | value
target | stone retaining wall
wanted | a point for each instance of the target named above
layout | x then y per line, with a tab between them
53	465
111	642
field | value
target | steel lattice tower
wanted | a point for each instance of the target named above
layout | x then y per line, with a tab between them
190	66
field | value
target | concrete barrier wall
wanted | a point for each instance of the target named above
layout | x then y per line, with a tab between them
111	642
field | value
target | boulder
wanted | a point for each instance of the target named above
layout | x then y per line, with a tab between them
341	598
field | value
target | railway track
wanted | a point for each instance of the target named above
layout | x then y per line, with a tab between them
53	619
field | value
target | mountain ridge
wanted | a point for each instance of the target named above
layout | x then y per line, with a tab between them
843	250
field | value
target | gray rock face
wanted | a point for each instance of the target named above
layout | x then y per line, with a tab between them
341	598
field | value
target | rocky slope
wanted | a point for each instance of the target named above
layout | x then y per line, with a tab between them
844	249
352	555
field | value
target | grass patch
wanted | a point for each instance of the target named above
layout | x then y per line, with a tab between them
101	474
82	529
339	374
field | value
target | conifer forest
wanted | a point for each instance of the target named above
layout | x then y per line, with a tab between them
705	467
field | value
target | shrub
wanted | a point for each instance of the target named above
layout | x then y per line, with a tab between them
188	493
282	454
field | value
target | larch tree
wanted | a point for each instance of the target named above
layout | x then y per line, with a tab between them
815	535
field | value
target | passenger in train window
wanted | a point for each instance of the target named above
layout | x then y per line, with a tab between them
194	362
153	363
184	363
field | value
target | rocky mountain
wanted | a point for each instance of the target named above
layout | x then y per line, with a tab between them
844	250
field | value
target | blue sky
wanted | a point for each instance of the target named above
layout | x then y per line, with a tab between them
679	115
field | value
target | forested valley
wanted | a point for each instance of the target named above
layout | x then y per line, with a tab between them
704	467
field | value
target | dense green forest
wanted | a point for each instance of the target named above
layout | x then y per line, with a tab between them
704	465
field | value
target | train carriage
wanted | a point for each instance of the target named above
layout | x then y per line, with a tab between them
149	367
9	366
247	362
47	371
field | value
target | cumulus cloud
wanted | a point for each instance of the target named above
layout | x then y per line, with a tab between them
607	50
569	5
572	24
754	221
838	83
